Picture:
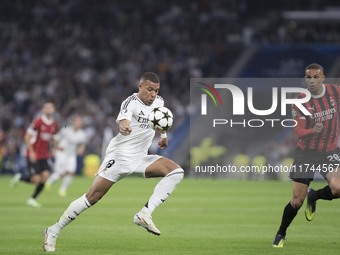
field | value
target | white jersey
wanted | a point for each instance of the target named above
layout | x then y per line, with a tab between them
69	140
135	145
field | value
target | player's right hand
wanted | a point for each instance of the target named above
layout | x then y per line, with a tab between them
318	128
125	131
124	127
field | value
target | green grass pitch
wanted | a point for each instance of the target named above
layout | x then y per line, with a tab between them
203	216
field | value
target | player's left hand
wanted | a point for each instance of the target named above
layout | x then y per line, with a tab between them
163	143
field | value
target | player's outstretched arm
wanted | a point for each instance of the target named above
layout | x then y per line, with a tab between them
124	127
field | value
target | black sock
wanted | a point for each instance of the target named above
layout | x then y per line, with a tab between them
325	193
25	177
289	214
38	190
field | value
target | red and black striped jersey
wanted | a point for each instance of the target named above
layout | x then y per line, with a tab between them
42	130
323	109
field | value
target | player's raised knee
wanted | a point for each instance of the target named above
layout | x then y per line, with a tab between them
177	173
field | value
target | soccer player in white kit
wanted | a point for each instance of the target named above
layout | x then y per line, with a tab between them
71	142
127	155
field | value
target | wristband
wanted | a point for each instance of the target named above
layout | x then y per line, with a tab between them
163	135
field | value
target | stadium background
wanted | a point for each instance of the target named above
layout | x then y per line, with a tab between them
87	58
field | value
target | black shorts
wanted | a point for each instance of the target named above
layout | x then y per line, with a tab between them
39	166
307	163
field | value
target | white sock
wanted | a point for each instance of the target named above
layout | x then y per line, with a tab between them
73	210
66	182
163	190
53	178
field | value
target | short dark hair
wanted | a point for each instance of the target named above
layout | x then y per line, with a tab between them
48	100
315	66
149	76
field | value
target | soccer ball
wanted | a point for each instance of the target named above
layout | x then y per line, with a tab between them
161	118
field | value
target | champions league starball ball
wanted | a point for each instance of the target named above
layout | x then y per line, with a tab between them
161	118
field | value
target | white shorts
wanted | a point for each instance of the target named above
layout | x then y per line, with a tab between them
65	163
114	170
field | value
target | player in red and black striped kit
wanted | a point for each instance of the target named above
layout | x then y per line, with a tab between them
38	138
317	149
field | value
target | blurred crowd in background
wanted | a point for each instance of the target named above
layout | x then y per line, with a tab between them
87	56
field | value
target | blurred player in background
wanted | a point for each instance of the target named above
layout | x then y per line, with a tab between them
71	142
38	138
127	155
317	149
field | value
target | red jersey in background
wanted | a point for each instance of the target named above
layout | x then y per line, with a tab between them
42	130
